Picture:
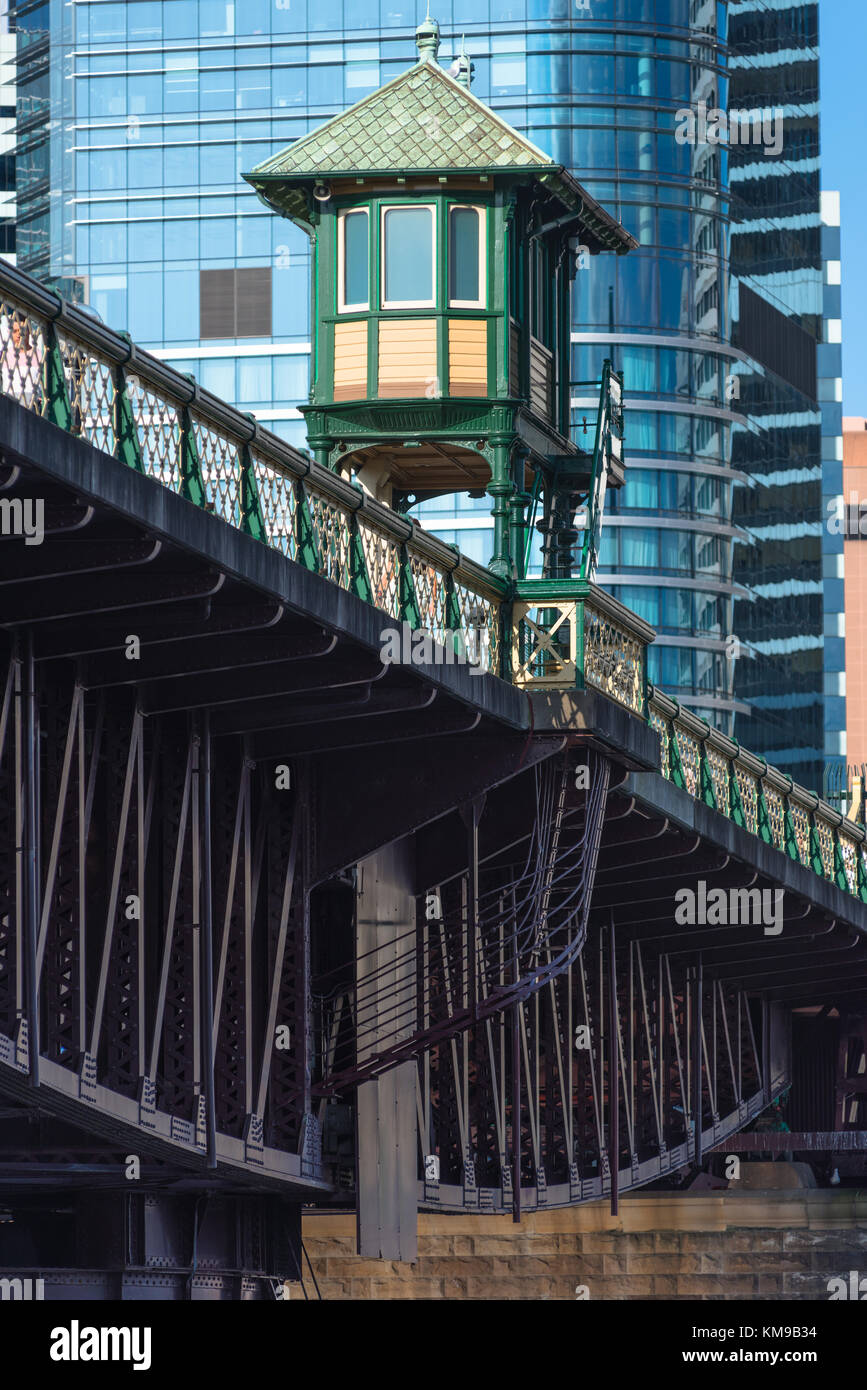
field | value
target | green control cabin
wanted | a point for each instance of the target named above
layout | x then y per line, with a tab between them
444	247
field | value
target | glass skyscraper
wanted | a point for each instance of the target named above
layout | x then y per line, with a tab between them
136	120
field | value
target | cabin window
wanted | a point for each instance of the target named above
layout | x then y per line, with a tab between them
408	258
354	262
466	258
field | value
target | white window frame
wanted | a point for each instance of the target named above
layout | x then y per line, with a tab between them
408	303
342	306
481	214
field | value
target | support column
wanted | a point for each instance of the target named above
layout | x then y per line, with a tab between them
501	488
387	1141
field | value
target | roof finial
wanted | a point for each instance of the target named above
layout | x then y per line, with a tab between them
462	68
427	37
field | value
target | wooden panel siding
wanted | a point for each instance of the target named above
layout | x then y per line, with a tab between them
540	379
468	357
407	357
350	360
514	359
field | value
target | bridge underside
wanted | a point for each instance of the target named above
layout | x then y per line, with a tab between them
199	744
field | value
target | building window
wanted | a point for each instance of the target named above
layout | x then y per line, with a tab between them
235	303
408	258
466	258
353	270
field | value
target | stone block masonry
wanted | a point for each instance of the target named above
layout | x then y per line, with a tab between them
709	1245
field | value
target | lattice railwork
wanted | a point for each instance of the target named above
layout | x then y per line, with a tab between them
690	760
382	558
22	341
479	615
220	468
748	788
431	596
613	660
157	421
90	387
278	503
544	638
801	824
661	726
826	846
849	853
718	766
331	533
776	816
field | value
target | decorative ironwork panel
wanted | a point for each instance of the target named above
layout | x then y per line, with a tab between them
613	660
718	766
748	788
431	596
661	725
849	855
332	536
776	815
382	558
22	338
221	470
479	619
690	758
826	845
801	823
90	387
158	424
544	643
278	502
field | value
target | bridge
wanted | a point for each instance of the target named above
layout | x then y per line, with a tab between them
529	929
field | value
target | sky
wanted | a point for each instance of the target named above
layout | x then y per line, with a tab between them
843	69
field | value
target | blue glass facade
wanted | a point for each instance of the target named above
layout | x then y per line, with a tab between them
134	193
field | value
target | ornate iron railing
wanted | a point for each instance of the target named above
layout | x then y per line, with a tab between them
65	365
569	633
716	770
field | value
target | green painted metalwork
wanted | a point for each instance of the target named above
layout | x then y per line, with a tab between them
127	447
359	580
192	485
790	838
736	806
252	519
57	407
817	863
675	765
763	820
862	879
306	549
408	603
839	867
706	788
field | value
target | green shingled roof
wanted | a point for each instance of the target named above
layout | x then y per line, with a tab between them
420	121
